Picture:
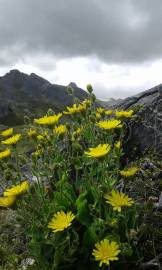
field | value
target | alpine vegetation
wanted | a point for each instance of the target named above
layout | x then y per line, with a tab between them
78	213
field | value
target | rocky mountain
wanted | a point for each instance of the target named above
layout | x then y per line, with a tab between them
110	102
22	94
146	132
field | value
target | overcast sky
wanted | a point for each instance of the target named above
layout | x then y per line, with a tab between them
116	45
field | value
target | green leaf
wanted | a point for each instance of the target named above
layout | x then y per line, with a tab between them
83	212
90	237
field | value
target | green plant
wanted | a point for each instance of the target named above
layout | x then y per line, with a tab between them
73	170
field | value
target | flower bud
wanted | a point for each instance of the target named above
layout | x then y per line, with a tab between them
89	88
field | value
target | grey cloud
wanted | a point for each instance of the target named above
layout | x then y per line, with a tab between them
103	92
113	31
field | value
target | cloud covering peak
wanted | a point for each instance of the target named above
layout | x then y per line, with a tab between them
113	32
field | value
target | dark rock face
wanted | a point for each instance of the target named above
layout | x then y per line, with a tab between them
147	131
22	94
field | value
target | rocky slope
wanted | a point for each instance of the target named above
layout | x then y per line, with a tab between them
146	132
22	94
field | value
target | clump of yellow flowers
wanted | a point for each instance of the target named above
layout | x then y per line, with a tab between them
73	203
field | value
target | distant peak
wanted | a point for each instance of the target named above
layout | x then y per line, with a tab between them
35	76
14	71
73	85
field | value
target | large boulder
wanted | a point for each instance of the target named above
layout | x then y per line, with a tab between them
146	132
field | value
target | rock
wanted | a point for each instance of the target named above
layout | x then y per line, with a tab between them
160	202
146	132
25	263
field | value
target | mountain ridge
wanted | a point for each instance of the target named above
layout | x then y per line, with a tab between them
31	95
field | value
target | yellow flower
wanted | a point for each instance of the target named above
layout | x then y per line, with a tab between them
98	115
7	201
108	112
100	110
76	133
40	138
31	133
75	108
113	221
60	130
87	102
127	114
106	251
129	172
118	145
82	107
99	151
17	190
8	132
61	221
118	199
48	120
109	124
5	153
37	153
12	140
71	110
